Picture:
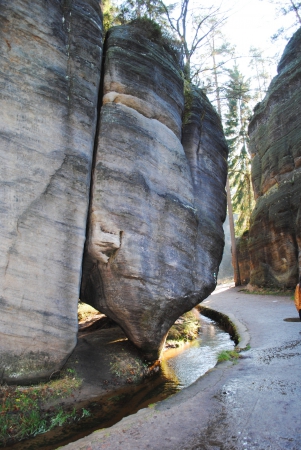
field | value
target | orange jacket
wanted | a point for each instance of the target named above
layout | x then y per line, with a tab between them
298	297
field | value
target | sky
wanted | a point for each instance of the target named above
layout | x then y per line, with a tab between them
252	23
249	23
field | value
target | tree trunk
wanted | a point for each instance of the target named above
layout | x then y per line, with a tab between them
232	234
229	201
296	11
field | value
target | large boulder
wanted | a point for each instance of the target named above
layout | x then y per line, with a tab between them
153	248
50	61
206	152
275	145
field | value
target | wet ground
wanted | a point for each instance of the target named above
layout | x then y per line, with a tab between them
254	404
106	362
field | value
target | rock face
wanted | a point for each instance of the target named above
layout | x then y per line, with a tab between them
153	203
206	151
275	144
50	54
154	232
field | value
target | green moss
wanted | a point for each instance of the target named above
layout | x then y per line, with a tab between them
188	99
185	329
85	311
131	370
25	369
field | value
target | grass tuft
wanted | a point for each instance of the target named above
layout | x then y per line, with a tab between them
228	355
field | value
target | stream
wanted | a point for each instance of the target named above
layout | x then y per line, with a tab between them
179	369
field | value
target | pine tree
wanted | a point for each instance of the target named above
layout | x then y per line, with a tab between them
137	9
219	53
262	77
110	14
237	119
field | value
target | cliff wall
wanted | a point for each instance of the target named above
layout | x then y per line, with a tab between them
50	61
275	145
206	152
152	213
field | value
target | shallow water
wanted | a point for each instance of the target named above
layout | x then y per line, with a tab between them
187	365
179	369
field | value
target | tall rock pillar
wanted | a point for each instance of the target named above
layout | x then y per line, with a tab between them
206	151
153	248
50	61
275	145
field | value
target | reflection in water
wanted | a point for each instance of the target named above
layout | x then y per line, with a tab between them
180	368
186	365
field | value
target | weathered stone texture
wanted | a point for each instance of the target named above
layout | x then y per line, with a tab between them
50	60
140	265
206	151
275	145
133	59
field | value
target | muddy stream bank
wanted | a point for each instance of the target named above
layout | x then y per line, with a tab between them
118	383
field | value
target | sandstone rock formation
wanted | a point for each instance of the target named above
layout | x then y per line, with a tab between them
154	234
275	145
155	231
50	61
206	151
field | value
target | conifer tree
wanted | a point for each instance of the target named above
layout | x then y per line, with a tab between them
137	9
110	14
258	64
236	124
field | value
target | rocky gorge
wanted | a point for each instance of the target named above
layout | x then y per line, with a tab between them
106	193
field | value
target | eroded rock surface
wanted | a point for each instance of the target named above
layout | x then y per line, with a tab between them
50	61
206	151
142	266
275	144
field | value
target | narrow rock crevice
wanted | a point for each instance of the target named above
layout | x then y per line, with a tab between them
93	165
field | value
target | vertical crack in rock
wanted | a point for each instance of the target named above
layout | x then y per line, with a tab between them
87	269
